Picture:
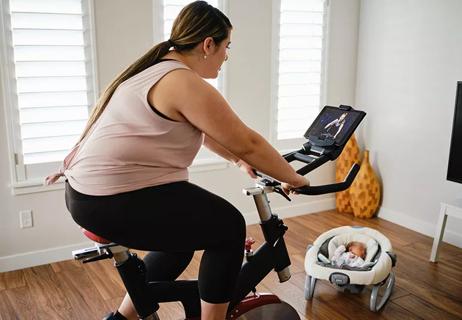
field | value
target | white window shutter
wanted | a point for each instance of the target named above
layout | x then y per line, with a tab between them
53	78
299	66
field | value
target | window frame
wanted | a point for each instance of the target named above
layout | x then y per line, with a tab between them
286	145
19	181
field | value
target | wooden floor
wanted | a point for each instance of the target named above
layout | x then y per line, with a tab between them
69	290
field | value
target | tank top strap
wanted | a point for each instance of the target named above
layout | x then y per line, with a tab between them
157	72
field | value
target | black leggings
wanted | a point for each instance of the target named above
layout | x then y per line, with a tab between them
171	220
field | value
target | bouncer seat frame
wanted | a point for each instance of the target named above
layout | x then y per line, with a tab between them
377	272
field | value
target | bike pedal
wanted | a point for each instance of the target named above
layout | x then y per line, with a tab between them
85	253
106	255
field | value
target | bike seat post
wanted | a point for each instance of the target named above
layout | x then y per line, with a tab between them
131	270
120	254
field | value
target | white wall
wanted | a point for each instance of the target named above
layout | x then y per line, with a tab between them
409	59
121	38
124	31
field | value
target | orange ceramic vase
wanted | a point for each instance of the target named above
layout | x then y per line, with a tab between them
365	191
345	161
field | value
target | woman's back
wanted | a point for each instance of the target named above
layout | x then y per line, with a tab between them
131	146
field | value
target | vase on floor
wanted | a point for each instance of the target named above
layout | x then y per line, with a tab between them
365	190
345	161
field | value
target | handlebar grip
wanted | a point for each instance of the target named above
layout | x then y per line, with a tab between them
329	188
305	158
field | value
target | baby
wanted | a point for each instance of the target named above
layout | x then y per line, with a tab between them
352	255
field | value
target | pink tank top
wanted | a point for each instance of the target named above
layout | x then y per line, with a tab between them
130	146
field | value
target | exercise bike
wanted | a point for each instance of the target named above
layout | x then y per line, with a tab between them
246	303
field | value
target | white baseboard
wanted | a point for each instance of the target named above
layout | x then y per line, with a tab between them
39	257
420	226
294	210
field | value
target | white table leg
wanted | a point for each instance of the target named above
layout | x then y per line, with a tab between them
439	233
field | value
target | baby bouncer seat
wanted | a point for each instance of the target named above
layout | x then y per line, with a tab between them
377	270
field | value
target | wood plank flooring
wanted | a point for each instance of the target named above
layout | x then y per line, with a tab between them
423	290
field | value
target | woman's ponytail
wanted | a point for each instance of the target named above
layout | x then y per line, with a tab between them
149	59
196	21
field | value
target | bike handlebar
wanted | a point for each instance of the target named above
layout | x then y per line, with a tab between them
313	190
329	188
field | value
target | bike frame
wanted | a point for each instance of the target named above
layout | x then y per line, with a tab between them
272	254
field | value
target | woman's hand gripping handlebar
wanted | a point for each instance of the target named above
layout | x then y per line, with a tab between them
284	189
303	185
300	183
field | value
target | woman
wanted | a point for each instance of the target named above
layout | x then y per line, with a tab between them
335	126
127	177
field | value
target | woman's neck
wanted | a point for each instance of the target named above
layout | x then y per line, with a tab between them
190	60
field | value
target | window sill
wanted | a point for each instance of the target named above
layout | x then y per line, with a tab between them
34	186
37	185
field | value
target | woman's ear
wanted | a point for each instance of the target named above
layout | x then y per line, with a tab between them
208	45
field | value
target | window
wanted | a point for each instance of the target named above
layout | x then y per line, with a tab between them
166	11
49	80
298	46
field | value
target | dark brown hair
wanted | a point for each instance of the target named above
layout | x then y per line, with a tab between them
196	21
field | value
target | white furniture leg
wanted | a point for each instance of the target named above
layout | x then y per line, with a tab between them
439	232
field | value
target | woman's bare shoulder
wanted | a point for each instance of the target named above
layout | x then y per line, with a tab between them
184	82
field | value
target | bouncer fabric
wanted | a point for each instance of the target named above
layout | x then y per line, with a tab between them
345	238
379	271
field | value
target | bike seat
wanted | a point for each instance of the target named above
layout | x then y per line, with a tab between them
94	237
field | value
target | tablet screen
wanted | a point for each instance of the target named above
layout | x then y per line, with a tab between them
334	126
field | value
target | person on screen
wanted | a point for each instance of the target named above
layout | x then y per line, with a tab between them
334	127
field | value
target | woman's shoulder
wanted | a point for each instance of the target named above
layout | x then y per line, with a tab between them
157	72
177	89
183	80
169	64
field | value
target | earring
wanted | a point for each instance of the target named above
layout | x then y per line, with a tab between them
205	57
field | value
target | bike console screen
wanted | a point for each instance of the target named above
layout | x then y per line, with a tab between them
327	137
333	126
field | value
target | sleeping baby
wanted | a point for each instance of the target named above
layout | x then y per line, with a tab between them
352	255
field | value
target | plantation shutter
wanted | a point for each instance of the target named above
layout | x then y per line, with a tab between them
300	52
53	80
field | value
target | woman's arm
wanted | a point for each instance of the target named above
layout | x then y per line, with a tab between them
183	91
217	148
330	123
214	146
